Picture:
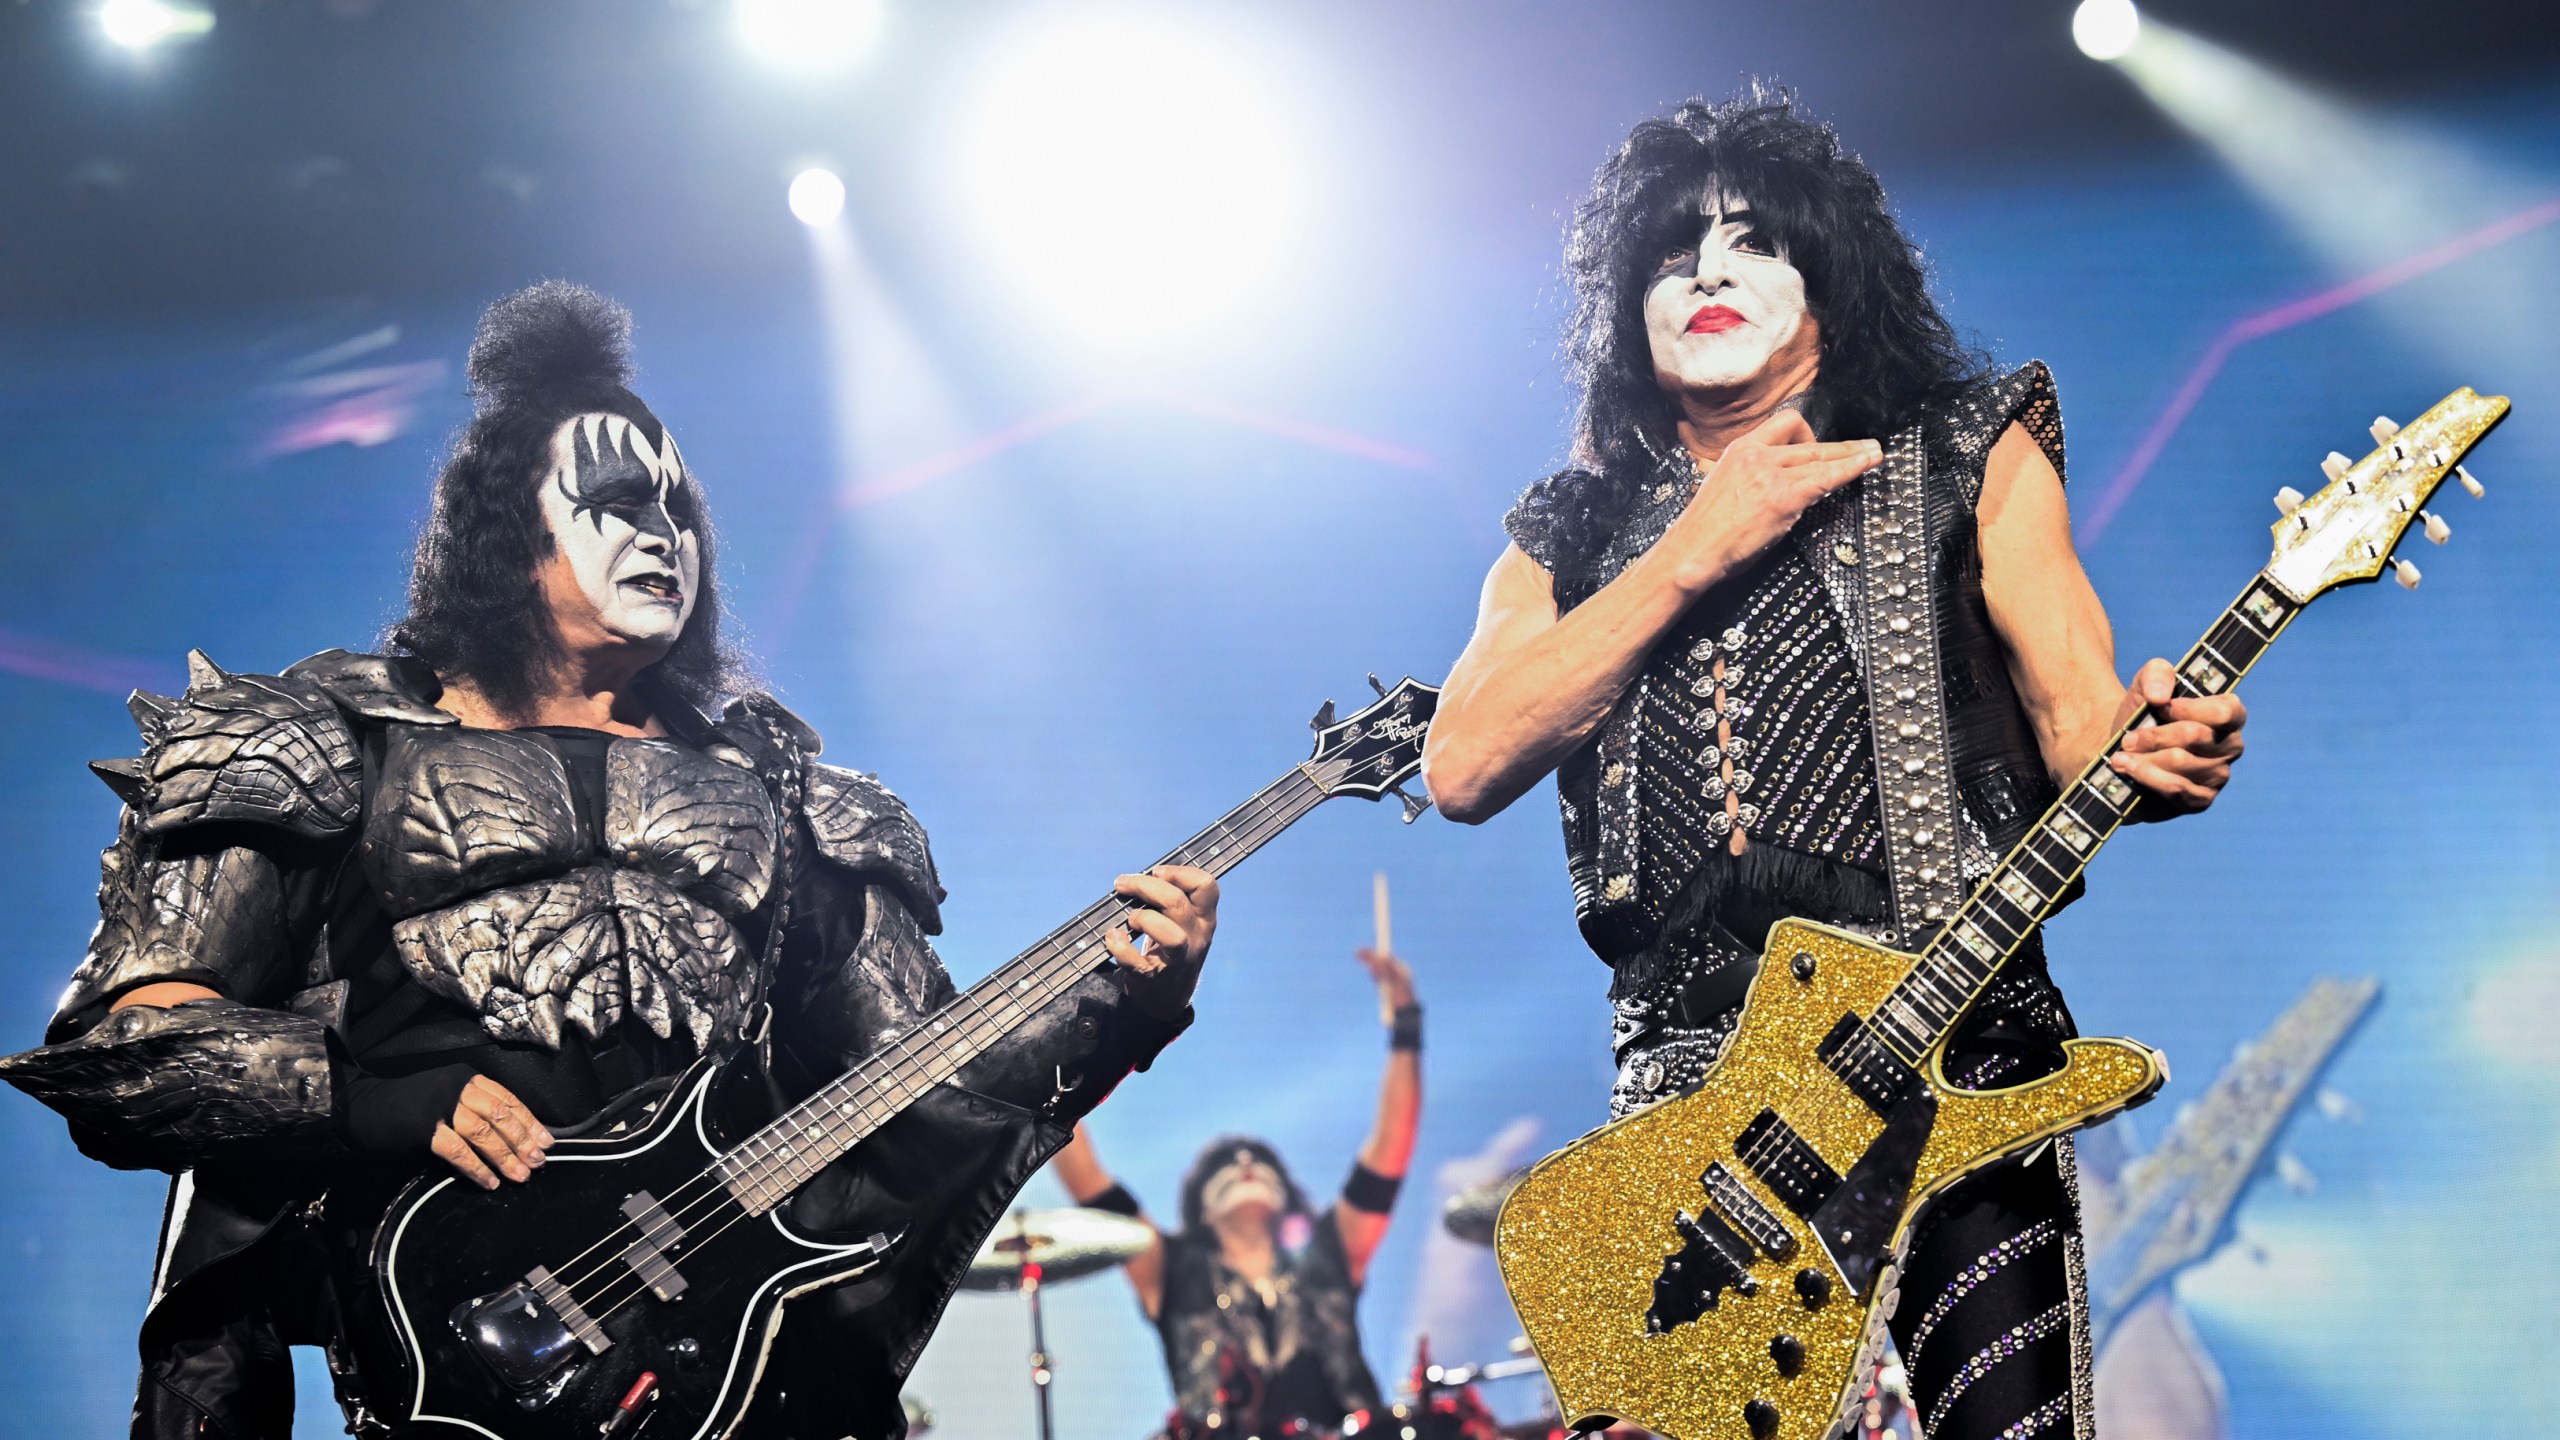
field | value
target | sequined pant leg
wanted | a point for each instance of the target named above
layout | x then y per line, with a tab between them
1994	1310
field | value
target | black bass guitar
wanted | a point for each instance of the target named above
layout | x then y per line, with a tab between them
639	1278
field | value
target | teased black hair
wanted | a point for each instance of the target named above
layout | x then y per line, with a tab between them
1887	352
542	355
1216	1154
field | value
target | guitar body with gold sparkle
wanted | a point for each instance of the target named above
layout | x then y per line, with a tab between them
1589	1239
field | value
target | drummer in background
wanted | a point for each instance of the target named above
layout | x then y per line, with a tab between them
1254	1297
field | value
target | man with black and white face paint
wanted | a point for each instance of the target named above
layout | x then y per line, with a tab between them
1255	1299
403	916
1687	631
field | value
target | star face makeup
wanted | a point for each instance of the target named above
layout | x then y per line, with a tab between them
1722	303
624	514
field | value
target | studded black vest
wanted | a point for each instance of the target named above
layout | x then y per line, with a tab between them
1751	716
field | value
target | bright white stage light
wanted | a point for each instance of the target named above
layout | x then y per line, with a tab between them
1131	172
809	34
142	24
2106	29
817	196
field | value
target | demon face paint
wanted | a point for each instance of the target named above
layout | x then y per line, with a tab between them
625	515
1722	303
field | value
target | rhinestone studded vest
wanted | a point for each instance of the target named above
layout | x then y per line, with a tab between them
1752	714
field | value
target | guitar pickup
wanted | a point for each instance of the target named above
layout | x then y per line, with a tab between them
1747	1213
1785	1162
647	1256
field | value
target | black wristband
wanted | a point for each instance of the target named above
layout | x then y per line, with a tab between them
1117	1200
399	1115
1406	1032
1370	1191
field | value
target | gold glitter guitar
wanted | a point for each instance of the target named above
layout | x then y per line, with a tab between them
1722	1264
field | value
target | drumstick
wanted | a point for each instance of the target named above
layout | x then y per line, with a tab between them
1386	936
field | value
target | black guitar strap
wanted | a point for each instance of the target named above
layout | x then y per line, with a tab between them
1870	543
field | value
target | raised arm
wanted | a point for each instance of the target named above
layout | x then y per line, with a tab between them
1361	1214
1531	685
1079	1168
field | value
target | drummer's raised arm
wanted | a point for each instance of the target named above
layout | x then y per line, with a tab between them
1080	1170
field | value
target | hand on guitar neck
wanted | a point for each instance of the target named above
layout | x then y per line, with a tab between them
1165	937
2181	753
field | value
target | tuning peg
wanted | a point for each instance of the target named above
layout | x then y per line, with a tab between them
1374	685
2405	573
2335	465
2384	427
1324	717
2288	500
2468	483
2437	530
1414	805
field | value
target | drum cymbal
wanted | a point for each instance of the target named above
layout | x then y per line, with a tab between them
1470	1213
1065	1244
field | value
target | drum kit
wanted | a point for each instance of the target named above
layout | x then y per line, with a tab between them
1033	1249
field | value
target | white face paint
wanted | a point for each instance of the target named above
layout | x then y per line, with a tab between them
623	512
1242	1182
1722	303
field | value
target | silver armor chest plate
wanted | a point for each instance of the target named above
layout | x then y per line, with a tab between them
503	898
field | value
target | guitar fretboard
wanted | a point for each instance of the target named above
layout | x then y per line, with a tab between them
779	1159
1959	963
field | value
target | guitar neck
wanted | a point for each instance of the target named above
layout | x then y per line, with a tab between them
1958	964
778	1159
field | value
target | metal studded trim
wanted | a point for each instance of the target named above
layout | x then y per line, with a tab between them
1906	691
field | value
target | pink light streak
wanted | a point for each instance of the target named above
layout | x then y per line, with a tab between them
803	568
115	675
2200	378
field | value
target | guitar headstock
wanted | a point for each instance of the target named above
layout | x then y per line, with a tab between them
1377	749
2345	534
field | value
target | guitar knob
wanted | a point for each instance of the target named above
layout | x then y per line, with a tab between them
2405	573
1802	965
2437	530
1788	1351
2289	499
2335	465
1762	1417
1813	1287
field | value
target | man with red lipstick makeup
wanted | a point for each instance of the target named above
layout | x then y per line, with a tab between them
1783	464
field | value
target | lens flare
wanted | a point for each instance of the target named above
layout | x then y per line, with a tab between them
817	196
809	35
2106	29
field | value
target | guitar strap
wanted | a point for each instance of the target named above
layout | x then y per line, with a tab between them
1871	545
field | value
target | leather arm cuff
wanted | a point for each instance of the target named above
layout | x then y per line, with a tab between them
165	1089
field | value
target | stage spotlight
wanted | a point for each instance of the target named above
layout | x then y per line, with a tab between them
809	34
817	196
1134	169
143	24
2105	29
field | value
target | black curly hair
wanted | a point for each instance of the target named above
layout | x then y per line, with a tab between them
1216	1154
1886	349
543	354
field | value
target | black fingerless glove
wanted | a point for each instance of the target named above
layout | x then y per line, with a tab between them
398	1115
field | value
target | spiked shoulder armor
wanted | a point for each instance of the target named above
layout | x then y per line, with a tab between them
273	751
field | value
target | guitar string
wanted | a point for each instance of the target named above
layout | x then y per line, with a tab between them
1044	974
602	1310
1103	915
1938	960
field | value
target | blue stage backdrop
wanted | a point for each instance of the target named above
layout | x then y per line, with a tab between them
1076	642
